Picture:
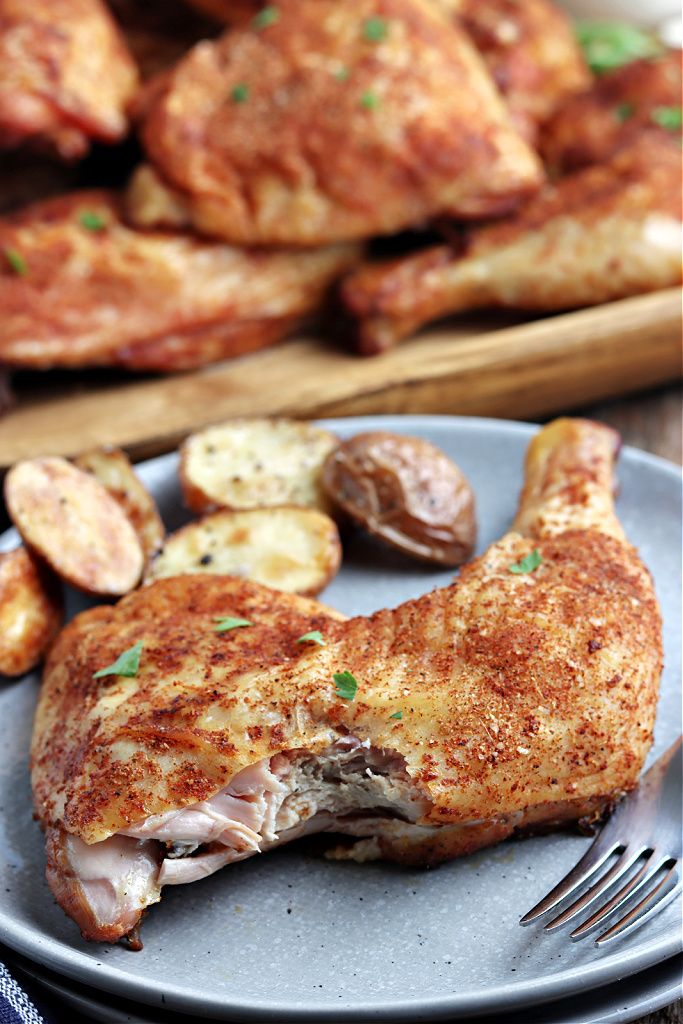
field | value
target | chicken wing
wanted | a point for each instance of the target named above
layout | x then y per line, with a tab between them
603	233
322	121
66	76
590	127
522	695
80	288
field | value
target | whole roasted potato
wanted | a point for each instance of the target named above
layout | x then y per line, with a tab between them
405	491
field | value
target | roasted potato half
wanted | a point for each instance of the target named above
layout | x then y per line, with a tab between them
30	611
405	491
287	548
113	469
254	463
69	519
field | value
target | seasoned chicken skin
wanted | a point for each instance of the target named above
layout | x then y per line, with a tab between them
325	121
508	700
66	76
532	53
89	290
604	233
589	127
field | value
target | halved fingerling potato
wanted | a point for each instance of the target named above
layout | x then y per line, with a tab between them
30	610
253	463
405	491
113	469
287	548
69	519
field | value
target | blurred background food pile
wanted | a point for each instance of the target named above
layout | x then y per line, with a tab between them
184	183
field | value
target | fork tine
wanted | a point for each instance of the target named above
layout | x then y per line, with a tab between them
593	859
649	906
649	870
618	869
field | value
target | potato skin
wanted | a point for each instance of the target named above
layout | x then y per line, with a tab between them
30	611
68	518
405	491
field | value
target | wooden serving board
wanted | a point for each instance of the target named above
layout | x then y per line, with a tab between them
489	365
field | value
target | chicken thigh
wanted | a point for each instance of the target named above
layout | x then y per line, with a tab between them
320	121
78	287
523	695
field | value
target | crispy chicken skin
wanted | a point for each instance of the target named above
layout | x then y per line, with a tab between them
590	127
603	233
532	54
335	121
66	75
527	700
93	291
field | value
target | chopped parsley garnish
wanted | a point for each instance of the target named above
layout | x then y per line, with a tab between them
225	622
240	93
91	221
369	101
127	664
611	44
374	30
624	111
528	563
346	685
341	74
15	260
397	714
668	117
315	637
268	16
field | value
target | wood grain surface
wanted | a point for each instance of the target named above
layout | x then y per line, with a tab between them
489	365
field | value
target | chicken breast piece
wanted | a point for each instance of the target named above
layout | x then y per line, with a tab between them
66	75
590	127
604	233
78	287
522	695
321	121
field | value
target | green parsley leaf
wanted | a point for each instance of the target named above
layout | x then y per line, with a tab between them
374	30
341	74
225	622
670	118
397	714
315	636
611	44
91	220
624	111
369	101
346	685
268	16
240	93
528	563
127	664
15	260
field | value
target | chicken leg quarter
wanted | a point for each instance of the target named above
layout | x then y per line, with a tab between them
509	700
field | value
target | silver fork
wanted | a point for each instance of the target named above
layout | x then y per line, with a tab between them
644	832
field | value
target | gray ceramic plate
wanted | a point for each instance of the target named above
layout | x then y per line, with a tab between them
291	937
